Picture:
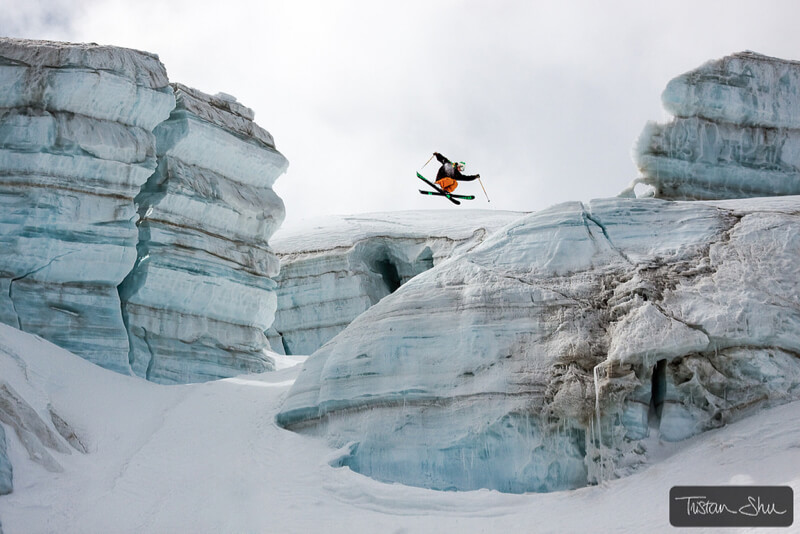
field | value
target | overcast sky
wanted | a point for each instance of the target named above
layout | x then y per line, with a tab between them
543	99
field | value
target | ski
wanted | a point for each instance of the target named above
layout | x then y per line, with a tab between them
448	196
437	193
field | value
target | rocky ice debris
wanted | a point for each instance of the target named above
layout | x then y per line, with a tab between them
335	268
75	148
201	295
542	358
736	132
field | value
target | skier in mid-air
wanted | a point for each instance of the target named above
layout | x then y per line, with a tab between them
450	174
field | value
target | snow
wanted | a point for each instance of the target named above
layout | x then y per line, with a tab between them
333	231
210	458
105	82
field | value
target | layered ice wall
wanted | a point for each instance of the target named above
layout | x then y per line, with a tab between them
201	295
78	156
335	268
736	132
542	359
75	148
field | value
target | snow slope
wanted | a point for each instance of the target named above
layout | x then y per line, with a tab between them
208	458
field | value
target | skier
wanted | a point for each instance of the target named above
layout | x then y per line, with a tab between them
450	173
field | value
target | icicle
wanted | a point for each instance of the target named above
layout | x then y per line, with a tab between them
596	375
597	401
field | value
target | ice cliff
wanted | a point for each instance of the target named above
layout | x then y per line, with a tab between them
201	295
480	373
566	346
105	179
334	268
735	132
76	146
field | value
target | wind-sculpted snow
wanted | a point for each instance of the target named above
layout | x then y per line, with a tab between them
736	132
75	148
543	358
335	268
37	425
201	295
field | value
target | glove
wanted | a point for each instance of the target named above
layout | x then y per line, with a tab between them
478	175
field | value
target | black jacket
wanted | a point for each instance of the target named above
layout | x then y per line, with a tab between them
449	170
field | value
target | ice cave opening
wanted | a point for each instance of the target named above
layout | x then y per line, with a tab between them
388	271
658	389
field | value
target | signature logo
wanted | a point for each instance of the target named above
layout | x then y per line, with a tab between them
731	506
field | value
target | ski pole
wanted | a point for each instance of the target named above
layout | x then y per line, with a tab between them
429	160
484	190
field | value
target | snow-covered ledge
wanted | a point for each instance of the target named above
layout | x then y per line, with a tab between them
334	268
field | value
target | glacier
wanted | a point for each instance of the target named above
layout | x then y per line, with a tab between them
510	351
334	268
542	359
135	213
735	133
76	145
202	294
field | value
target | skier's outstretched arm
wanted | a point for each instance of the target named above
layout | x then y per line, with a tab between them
467	177
441	158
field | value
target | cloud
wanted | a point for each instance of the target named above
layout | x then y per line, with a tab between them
51	19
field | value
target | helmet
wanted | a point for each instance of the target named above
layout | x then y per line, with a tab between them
461	166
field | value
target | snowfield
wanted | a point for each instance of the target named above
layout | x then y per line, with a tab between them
209	458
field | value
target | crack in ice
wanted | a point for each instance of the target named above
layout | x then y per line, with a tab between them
12	280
